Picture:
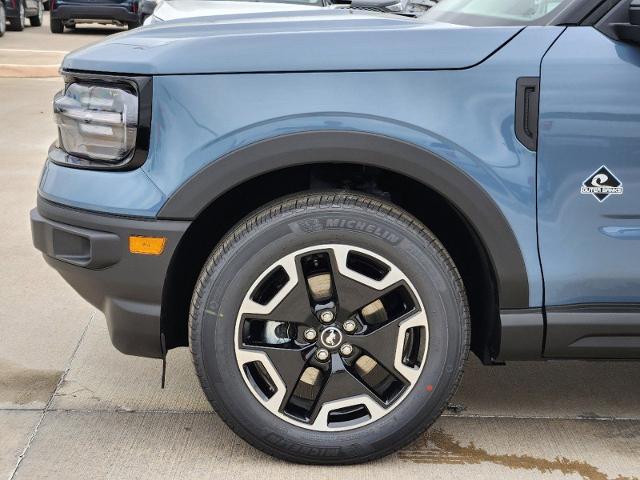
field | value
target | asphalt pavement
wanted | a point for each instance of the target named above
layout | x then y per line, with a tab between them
72	407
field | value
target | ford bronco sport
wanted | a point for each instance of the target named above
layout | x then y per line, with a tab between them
331	208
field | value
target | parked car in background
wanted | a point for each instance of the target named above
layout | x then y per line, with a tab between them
3	18
146	9
165	10
69	13
18	11
174	9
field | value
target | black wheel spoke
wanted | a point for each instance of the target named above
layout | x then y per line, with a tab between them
294	308
381	344
341	384
289	363
353	294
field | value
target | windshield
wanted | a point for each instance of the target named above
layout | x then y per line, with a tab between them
496	12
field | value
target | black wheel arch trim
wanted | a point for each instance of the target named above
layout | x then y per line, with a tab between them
372	150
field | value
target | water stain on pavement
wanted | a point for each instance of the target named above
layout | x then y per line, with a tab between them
438	447
22	386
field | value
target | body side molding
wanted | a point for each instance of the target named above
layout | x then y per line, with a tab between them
601	330
372	150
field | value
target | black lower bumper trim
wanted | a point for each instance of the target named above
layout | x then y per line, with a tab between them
94	12
522	334
91	253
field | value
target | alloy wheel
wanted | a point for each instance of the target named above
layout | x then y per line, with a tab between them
331	337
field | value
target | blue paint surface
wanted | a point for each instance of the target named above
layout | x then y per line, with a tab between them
314	40
464	116
589	116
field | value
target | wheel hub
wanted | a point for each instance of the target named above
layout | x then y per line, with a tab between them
331	338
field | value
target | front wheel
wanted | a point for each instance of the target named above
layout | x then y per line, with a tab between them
17	24
329	328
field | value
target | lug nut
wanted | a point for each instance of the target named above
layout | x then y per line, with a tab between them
310	334
326	316
322	354
346	350
349	326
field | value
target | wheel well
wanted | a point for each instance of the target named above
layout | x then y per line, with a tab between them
436	212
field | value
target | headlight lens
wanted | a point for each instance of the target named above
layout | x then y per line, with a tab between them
97	122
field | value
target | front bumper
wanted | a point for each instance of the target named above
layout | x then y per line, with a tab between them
91	252
118	13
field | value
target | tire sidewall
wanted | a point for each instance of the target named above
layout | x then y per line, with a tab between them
224	290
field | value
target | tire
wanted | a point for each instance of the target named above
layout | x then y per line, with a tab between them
132	25
17	24
56	25
339	233
3	19
36	20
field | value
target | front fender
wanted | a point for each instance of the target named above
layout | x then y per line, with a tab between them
451	120
376	151
458	120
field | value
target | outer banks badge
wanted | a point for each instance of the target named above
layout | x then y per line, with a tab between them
601	184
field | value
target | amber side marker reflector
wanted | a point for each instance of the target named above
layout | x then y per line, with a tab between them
147	245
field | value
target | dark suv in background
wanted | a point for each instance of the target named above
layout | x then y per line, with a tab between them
17	12
68	13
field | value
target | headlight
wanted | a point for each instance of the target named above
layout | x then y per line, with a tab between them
97	122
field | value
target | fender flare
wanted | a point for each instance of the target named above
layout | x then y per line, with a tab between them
374	150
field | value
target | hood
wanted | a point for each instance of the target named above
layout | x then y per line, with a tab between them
172	10
309	40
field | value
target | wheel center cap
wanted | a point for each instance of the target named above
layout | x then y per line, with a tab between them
331	337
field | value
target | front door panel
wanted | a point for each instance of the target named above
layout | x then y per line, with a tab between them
589	195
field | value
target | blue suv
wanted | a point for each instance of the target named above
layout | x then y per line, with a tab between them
332	208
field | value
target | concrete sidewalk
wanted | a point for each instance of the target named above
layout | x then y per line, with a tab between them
72	407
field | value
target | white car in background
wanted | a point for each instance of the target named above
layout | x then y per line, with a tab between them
153	11
174	9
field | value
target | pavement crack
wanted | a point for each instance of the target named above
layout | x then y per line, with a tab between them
587	418
47	407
